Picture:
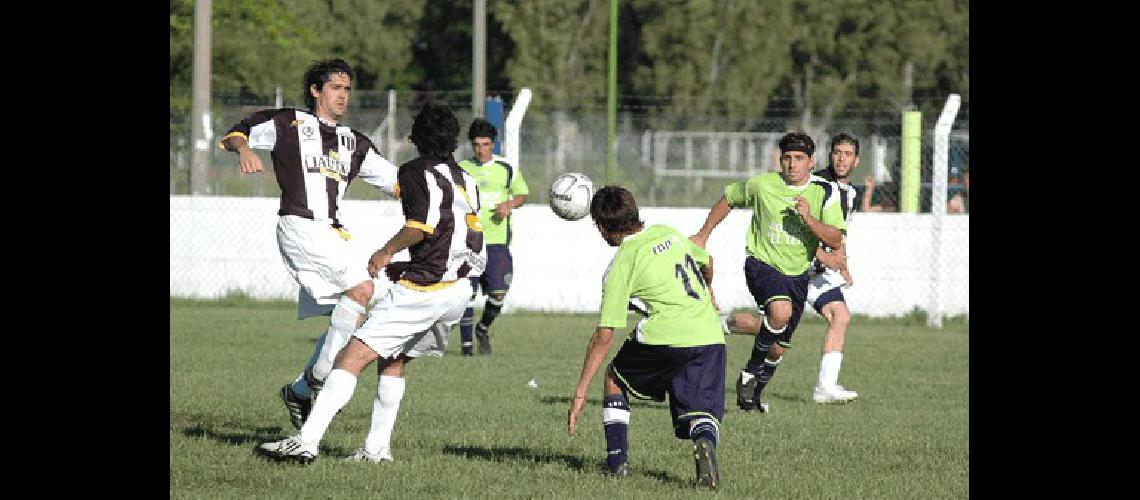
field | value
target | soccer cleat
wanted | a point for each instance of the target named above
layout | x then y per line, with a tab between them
290	449
483	336
833	394
362	455
467	351
704	455
621	470
298	408
746	391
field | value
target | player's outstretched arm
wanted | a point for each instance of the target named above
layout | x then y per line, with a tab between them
249	162
503	209
596	353
716	214
829	235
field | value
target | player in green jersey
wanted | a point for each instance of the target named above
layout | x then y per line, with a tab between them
791	216
502	189
678	349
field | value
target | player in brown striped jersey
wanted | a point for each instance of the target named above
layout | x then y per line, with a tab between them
314	159
444	237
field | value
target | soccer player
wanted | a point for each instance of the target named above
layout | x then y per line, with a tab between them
314	160
826	277
502	189
677	350
443	235
791	216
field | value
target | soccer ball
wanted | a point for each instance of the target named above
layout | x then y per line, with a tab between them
570	196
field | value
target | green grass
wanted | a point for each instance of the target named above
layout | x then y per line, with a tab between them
469	427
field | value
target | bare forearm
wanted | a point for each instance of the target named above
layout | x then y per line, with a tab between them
829	235
707	272
717	214
518	201
235	143
404	238
596	353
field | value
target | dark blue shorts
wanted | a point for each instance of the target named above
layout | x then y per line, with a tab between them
693	377
825	298
500	269
767	283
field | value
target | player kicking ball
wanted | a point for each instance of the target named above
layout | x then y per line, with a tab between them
677	350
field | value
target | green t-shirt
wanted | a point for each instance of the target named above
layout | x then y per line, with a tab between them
498	181
777	236
661	267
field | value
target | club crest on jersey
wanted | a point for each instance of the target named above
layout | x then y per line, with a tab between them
307	132
348	142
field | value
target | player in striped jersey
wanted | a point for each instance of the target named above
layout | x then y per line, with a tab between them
444	238
314	159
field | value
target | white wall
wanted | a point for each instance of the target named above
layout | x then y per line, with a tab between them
219	244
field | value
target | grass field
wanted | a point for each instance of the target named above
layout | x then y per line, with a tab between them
470	427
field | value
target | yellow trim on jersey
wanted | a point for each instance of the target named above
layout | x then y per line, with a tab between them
473	223
231	134
396	190
331	174
420	225
427	288
343	233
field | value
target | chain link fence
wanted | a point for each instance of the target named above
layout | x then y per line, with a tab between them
666	160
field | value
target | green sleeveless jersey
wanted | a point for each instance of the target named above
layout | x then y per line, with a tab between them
498	181
661	267
777	236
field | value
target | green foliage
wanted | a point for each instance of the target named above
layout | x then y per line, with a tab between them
475	421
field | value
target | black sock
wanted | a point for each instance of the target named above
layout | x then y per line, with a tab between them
615	417
490	311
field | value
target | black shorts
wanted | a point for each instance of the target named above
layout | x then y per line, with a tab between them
766	283
693	377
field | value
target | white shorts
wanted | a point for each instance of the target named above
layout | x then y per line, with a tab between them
414	322
818	284
322	262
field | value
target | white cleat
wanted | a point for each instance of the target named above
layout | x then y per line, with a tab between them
833	394
362	455
289	449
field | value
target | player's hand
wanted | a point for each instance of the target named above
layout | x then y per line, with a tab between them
503	209
576	406
803	208
700	239
378	260
847	276
249	161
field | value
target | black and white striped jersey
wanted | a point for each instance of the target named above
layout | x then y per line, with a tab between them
314	161
441	199
846	200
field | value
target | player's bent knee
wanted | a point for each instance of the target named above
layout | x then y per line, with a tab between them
346	315
362	292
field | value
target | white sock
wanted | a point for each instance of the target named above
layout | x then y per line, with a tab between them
829	368
341	326
385	407
338	389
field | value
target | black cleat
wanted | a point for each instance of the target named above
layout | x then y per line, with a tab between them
483	336
467	351
704	455
746	384
621	470
298	408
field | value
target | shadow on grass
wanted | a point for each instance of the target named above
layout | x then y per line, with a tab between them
503	453
633	403
253	437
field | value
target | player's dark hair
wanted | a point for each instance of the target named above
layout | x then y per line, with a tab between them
615	210
481	128
319	74
797	141
435	131
843	138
